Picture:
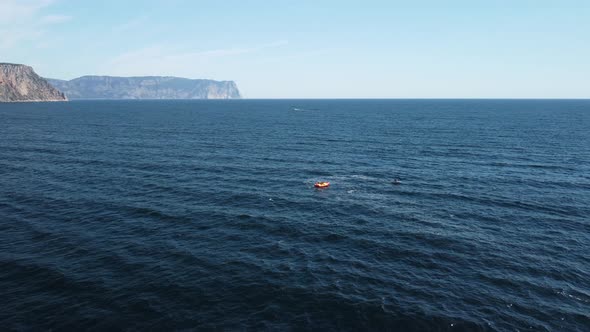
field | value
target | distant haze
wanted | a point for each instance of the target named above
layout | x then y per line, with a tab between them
314	49
152	87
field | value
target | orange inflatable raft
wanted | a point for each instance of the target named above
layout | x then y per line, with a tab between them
322	184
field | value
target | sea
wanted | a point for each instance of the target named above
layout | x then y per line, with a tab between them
202	215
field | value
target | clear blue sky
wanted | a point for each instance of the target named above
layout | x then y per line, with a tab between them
315	49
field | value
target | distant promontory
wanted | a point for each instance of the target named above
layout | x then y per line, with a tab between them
147	87
20	83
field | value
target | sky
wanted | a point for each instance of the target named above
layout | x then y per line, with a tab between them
314	49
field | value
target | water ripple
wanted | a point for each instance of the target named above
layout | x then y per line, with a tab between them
181	215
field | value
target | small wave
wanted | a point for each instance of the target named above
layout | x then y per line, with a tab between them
540	166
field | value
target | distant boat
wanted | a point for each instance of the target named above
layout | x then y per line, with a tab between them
293	108
322	184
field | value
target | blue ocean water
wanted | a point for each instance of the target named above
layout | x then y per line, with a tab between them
166	215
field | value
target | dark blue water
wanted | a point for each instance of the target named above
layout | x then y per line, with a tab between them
166	215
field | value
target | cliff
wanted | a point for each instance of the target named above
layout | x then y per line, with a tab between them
149	87
21	83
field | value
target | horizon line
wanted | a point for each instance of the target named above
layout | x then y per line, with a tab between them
338	98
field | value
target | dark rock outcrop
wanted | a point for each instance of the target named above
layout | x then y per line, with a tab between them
149	87
21	83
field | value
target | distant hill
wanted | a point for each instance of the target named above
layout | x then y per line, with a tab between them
148	87
21	83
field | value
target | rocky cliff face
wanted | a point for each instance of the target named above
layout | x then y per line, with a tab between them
150	87
21	83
